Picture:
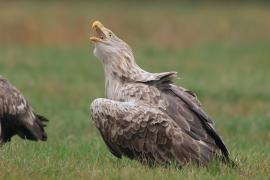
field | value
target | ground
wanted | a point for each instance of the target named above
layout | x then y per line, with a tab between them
221	52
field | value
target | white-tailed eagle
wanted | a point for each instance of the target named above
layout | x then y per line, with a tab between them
17	116
144	115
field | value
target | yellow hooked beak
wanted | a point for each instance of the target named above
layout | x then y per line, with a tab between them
100	32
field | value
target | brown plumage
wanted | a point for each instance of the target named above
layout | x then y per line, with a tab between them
145	116
17	116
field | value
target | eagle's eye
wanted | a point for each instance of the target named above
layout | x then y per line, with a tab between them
110	34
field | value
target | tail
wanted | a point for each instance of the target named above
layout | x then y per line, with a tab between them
35	131
41	121
229	162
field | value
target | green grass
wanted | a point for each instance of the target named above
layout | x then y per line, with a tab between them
231	78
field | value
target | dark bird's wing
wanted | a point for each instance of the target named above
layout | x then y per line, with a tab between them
142	132
17	117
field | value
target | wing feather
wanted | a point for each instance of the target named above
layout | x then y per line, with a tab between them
206	123
185	109
158	138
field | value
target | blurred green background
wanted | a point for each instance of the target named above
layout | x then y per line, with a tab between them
220	50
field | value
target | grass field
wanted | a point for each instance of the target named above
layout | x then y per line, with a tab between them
222	52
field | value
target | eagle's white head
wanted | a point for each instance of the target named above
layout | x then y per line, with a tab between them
108	47
117	57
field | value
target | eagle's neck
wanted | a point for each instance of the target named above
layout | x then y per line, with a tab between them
120	70
125	70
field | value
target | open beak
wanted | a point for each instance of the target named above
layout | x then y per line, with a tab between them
100	32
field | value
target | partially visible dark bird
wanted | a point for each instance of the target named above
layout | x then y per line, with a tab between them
17	116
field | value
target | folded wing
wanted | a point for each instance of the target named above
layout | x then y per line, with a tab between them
145	133
185	109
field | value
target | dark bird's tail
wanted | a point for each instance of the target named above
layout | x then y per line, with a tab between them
35	131
41	121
